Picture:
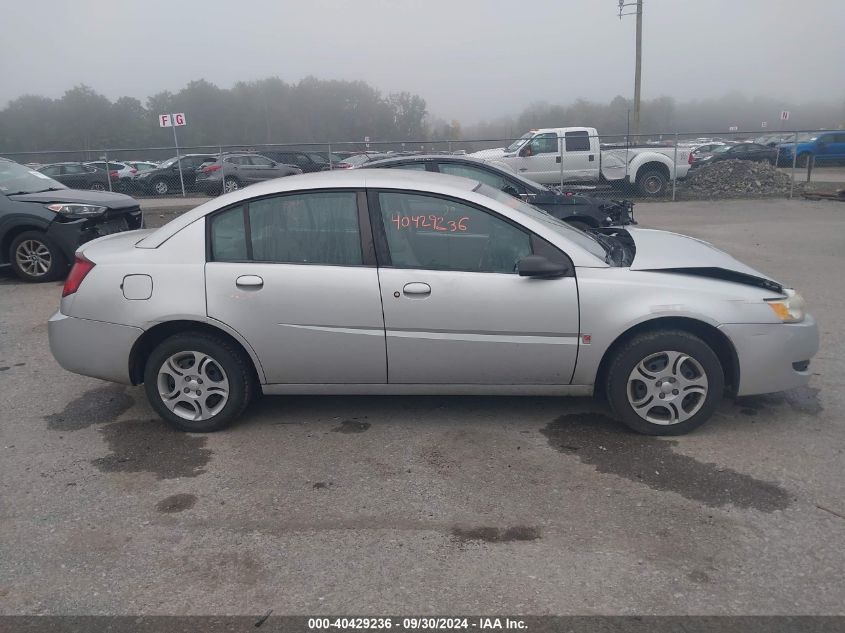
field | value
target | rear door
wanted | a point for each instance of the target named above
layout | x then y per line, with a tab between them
292	274
455	310
580	163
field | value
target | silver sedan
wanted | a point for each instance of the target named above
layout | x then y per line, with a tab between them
399	282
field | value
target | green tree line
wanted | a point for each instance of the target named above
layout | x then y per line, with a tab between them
314	110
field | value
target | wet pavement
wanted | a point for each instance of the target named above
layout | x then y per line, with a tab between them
433	504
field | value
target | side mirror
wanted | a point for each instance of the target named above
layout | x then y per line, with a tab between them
511	191
539	266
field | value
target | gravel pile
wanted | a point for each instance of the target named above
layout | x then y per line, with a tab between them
735	178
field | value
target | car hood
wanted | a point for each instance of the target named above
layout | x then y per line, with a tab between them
80	196
672	252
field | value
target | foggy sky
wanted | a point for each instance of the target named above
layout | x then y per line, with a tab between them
470	59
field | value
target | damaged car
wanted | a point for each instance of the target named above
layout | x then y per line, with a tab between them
579	210
42	222
400	282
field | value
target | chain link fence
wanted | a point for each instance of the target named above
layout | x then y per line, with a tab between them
689	165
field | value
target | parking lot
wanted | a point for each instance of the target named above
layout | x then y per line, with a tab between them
368	505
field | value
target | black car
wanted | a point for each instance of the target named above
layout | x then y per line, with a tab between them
42	222
77	175
307	161
579	210
741	151
164	179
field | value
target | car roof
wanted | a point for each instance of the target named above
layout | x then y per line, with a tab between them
423	181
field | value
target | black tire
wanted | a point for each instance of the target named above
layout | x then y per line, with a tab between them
236	369
230	184
802	160
160	187
45	248
99	186
620	387
652	183
578	224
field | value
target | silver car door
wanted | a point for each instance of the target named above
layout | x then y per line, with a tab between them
290	274
455	310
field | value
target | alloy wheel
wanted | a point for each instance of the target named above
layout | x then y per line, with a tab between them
98	186
230	185
160	187
33	258
667	387
193	385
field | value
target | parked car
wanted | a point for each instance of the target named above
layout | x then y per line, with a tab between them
581	211
164	179
572	155
42	222
397	282
741	151
703	151
825	147
230	172
357	160
307	161
120	174
77	175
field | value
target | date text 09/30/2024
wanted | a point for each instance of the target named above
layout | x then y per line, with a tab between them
416	623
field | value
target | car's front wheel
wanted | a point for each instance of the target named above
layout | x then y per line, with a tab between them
666	382
198	382
35	257
230	185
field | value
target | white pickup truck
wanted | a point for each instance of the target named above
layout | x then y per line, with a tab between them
572	155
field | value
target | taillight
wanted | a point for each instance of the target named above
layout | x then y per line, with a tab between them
81	267
212	168
691	159
113	173
133	171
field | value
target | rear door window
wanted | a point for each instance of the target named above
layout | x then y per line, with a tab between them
577	141
306	228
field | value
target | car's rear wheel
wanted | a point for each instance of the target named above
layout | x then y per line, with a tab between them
160	187
666	382
652	183
198	382
802	160
35	257
230	185
98	186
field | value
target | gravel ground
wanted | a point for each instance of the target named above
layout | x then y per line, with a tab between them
317	505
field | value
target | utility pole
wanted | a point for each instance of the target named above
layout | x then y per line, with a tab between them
638	68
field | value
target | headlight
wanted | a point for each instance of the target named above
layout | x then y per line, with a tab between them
789	310
77	210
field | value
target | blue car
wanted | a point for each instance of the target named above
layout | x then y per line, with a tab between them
827	147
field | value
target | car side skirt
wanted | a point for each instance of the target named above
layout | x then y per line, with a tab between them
427	390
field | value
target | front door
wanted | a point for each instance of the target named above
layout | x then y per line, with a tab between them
290	275
539	159
455	310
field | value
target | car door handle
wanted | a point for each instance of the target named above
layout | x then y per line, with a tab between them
249	281
591	158
417	289
557	159
523	169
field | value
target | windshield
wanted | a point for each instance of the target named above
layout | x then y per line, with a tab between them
520	142
169	162
721	149
16	178
584	240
